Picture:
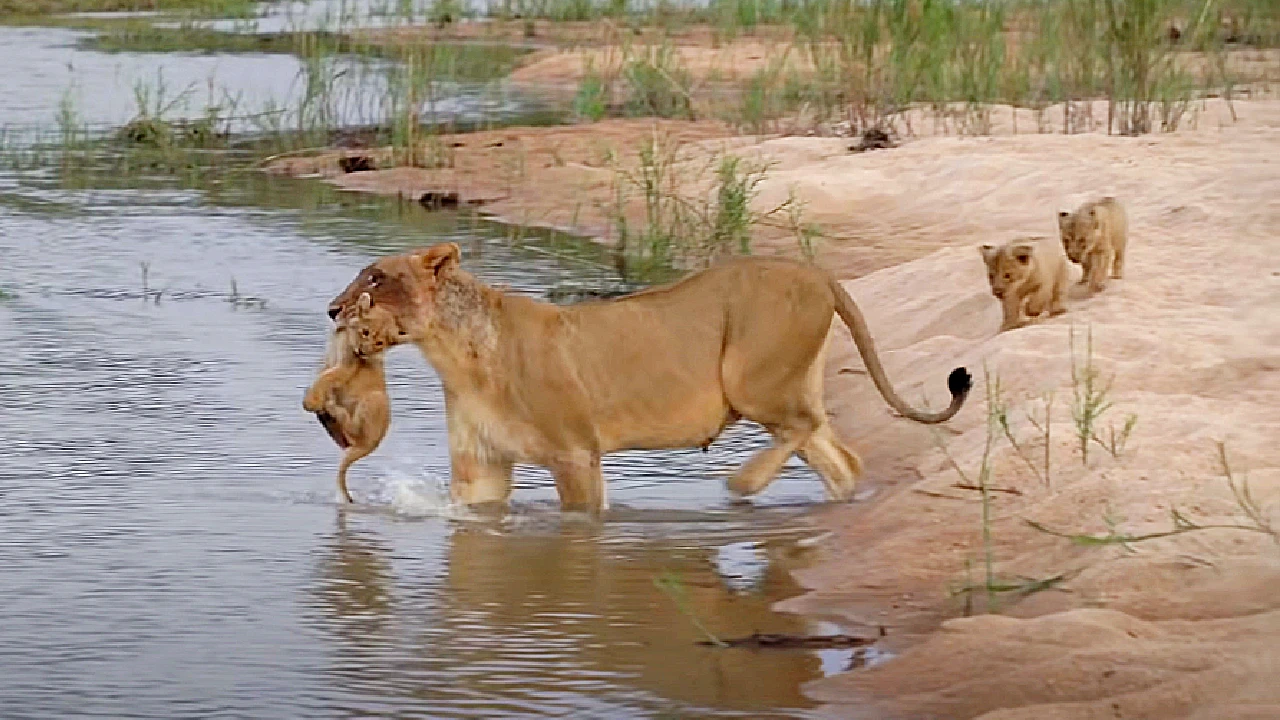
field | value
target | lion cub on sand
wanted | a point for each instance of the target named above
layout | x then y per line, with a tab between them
1095	236
350	396
1029	277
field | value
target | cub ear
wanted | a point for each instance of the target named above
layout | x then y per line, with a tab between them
439	258
1064	218
989	252
364	303
1022	253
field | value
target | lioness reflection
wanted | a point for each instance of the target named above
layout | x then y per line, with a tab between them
517	586
670	367
533	621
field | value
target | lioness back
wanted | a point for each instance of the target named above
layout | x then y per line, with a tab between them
654	362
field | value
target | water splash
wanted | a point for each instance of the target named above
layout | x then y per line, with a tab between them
421	497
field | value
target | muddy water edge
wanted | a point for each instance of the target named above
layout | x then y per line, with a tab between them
172	546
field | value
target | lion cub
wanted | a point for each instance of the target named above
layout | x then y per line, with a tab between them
1094	236
350	396
1028	275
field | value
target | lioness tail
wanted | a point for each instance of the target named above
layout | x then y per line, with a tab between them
959	381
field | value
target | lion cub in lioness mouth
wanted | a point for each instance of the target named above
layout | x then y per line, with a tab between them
350	396
1029	277
1095	236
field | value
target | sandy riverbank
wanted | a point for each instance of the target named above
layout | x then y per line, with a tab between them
1187	626
1182	627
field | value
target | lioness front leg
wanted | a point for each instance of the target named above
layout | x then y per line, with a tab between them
580	484
479	479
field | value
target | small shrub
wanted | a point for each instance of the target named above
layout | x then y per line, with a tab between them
591	100
657	85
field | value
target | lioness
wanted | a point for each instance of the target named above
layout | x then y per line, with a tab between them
1094	236
668	367
1029	277
350	396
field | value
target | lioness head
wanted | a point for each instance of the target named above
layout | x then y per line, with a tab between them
1076	228
370	329
1007	265
401	289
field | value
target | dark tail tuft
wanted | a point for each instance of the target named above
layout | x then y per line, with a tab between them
959	382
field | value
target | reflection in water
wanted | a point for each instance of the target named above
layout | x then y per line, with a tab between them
552	616
515	585
354	585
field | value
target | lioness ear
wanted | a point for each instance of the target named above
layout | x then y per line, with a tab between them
364	303
1022	253
439	258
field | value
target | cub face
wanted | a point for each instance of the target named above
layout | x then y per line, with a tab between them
1008	266
370	328
1076	230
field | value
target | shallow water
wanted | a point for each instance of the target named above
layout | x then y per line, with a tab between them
172	548
47	76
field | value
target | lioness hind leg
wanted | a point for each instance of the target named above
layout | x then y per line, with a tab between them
838	465
765	465
774	377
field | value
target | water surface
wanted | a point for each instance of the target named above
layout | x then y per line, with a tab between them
172	548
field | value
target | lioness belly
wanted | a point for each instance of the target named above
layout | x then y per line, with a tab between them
649	370
690	419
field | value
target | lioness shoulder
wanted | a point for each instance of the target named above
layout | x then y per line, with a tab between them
1029	276
1095	236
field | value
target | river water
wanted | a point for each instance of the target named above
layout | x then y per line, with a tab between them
171	543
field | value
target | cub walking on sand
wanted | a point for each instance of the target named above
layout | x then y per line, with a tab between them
350	396
1029	277
1095	236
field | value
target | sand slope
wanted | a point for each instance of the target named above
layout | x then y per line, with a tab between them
1184	627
